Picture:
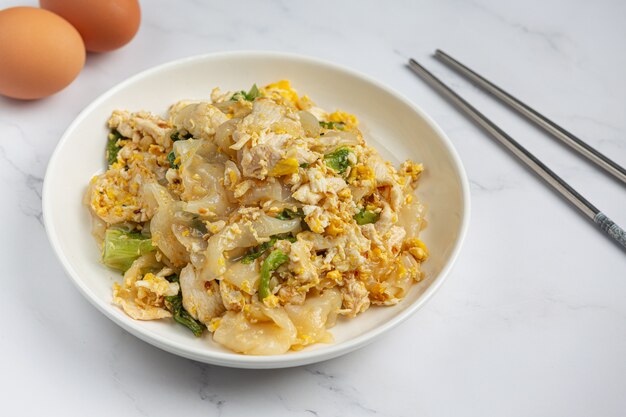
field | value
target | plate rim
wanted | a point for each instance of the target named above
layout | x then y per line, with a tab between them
231	359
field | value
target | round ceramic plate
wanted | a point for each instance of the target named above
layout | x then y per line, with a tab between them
390	123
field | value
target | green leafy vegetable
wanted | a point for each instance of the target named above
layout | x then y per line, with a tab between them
181	315
122	248
173	278
176	136
264	247
198	224
333	125
258	251
288	214
251	95
172	155
304	165
275	259
172	158
113	148
338	160
366	217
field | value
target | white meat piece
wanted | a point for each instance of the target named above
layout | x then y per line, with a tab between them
300	262
141	124
355	297
306	196
264	114
394	238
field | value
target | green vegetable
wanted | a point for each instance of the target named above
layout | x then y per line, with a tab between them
122	248
366	217
181	315
176	136
338	160
264	247
288	214
172	158
275	259
258	251
173	278
304	165
113	148
198	224
333	125
251	95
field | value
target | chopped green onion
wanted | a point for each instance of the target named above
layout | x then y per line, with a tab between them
251	95
179	314
113	148
338	160
304	165
122	248
366	217
333	125
275	259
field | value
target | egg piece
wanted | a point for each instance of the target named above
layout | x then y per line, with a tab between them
105	25
40	53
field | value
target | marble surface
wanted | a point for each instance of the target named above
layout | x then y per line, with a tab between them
532	321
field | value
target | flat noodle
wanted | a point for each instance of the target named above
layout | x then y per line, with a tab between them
259	331
314	316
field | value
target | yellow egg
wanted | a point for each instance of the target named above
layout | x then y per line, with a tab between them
40	53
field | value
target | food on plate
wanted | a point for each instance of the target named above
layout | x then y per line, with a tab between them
255	215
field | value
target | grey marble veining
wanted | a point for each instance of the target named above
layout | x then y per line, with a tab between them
530	322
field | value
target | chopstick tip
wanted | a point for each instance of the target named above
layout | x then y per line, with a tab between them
440	54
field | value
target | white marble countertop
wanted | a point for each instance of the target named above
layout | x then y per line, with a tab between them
532	321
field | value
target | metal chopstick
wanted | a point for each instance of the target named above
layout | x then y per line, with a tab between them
542	121
588	209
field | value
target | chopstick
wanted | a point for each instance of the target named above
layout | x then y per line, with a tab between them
542	121
556	182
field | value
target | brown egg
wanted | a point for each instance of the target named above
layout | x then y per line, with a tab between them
40	53
104	24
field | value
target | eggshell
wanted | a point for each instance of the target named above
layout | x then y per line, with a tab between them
105	25
40	53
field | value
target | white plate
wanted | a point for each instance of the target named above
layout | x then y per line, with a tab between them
391	123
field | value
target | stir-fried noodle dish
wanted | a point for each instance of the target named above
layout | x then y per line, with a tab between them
256	216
